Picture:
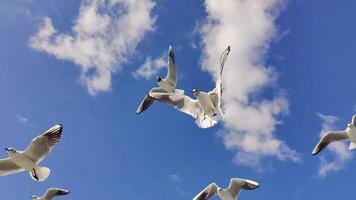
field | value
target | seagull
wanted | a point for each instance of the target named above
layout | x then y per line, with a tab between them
230	193
51	193
206	108
166	85
19	161
348	134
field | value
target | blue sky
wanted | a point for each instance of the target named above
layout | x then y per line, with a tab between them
298	57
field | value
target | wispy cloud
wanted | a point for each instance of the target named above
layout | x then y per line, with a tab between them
250	120
22	119
175	178
104	36
149	68
338	150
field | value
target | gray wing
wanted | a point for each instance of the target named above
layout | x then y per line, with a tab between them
148	100
8	167
216	93
53	192
43	144
208	192
329	138
237	183
181	102
171	76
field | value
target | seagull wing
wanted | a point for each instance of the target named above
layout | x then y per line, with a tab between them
208	192
43	144
181	102
237	183
171	76
216	93
148	100
329	138
53	192
8	167
354	120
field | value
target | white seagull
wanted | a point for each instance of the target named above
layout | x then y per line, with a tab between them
50	194
166	85
230	193
29	159
334	136
206	108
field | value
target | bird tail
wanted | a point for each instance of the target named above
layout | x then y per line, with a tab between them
40	173
207	121
352	146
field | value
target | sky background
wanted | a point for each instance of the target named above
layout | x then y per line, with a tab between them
298	60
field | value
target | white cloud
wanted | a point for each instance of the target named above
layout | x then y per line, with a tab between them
339	150
104	36
22	119
175	178
149	68
250	121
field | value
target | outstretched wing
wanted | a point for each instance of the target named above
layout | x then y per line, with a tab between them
208	192
181	102
43	144
8	167
237	183
171	76
53	192
148	100
329	138
216	93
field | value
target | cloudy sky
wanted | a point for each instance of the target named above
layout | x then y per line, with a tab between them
87	64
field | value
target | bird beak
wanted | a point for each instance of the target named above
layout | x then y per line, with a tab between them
7	149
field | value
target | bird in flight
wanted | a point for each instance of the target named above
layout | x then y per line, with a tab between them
30	158
230	193
206	108
333	136
51	193
166	85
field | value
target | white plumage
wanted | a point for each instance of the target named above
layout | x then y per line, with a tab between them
206	108
348	134
29	159
230	193
51	193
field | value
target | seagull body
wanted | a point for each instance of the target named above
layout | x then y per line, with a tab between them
348	134
205	109
230	193
51	194
30	158
166	85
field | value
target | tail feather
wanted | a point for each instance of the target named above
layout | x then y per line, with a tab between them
207	121
40	173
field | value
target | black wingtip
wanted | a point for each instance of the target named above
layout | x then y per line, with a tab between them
171	54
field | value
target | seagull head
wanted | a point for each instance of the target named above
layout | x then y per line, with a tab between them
195	92
158	79
349	125
10	150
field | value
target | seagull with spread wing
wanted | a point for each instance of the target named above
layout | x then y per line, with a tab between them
166	85
30	158
230	193
206	108
51	194
333	136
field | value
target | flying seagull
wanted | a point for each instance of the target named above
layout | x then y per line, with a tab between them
166	85
230	193
334	136
50	194
29	159
206	108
